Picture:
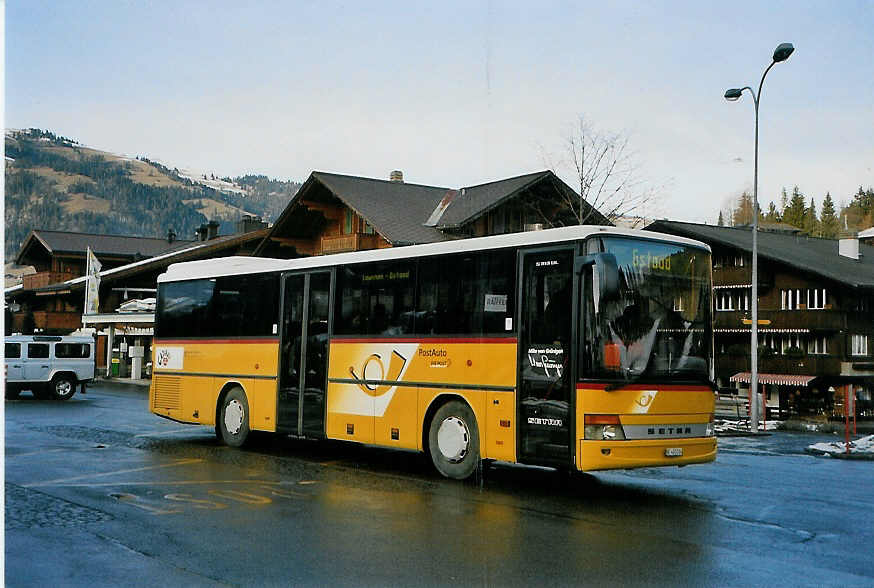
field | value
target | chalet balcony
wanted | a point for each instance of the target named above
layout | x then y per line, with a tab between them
57	321
350	242
736	276
732	275
728	364
43	279
813	320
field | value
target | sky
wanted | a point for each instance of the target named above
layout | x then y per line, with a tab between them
459	93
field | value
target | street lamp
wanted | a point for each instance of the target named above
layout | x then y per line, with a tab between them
781	53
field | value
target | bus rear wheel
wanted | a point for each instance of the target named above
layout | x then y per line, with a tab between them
233	423
453	440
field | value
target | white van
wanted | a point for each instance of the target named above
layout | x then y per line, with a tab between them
48	365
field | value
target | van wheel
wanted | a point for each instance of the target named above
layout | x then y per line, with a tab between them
63	387
234	418
453	440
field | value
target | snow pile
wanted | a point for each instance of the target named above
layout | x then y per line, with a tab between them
725	426
863	447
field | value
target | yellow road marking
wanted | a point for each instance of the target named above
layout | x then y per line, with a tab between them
143	469
160	483
238	496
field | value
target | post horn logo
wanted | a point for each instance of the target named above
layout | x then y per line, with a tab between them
645	399
375	381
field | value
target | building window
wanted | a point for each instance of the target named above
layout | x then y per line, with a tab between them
816	298
790	342
724	301
347	222
817	345
859	345
728	299
368	230
790	299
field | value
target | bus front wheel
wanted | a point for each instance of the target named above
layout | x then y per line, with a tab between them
233	421
453	440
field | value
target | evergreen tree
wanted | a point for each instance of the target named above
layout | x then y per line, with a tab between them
794	212
830	225
772	216
743	212
860	212
721	221
811	223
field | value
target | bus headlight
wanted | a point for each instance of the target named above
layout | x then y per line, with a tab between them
603	427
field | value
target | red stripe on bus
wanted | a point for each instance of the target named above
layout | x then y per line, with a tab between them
213	341
429	341
603	386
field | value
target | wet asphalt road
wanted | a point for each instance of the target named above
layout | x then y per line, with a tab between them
99	492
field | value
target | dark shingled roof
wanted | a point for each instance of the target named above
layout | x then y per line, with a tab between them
477	200
102	245
810	254
396	210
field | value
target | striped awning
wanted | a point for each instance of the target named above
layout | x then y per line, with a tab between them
761	330
779	379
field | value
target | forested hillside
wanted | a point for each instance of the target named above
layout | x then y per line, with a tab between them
54	183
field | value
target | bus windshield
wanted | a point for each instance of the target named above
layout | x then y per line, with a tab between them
657	326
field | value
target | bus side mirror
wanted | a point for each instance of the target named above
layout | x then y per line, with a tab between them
605	274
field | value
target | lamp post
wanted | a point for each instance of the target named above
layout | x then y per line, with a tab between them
781	53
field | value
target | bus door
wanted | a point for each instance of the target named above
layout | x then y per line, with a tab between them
546	358
303	353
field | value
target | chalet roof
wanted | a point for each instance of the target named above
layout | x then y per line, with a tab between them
66	242
399	211
187	251
474	201
396	210
809	254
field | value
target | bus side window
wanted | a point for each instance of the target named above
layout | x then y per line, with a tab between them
472	293
376	299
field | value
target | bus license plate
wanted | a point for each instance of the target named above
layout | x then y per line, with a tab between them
674	452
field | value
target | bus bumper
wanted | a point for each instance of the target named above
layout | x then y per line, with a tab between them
610	455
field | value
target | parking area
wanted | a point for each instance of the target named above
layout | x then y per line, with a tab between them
108	494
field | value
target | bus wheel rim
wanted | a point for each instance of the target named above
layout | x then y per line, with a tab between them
453	439
234	414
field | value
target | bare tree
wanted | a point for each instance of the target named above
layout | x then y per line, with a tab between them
607	174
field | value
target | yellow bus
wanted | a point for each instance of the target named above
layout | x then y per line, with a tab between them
584	348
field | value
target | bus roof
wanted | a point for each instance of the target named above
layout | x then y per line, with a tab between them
232	266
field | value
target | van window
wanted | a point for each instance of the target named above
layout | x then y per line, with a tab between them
13	350
38	350
72	350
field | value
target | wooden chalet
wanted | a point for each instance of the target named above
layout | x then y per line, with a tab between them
817	296
333	213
